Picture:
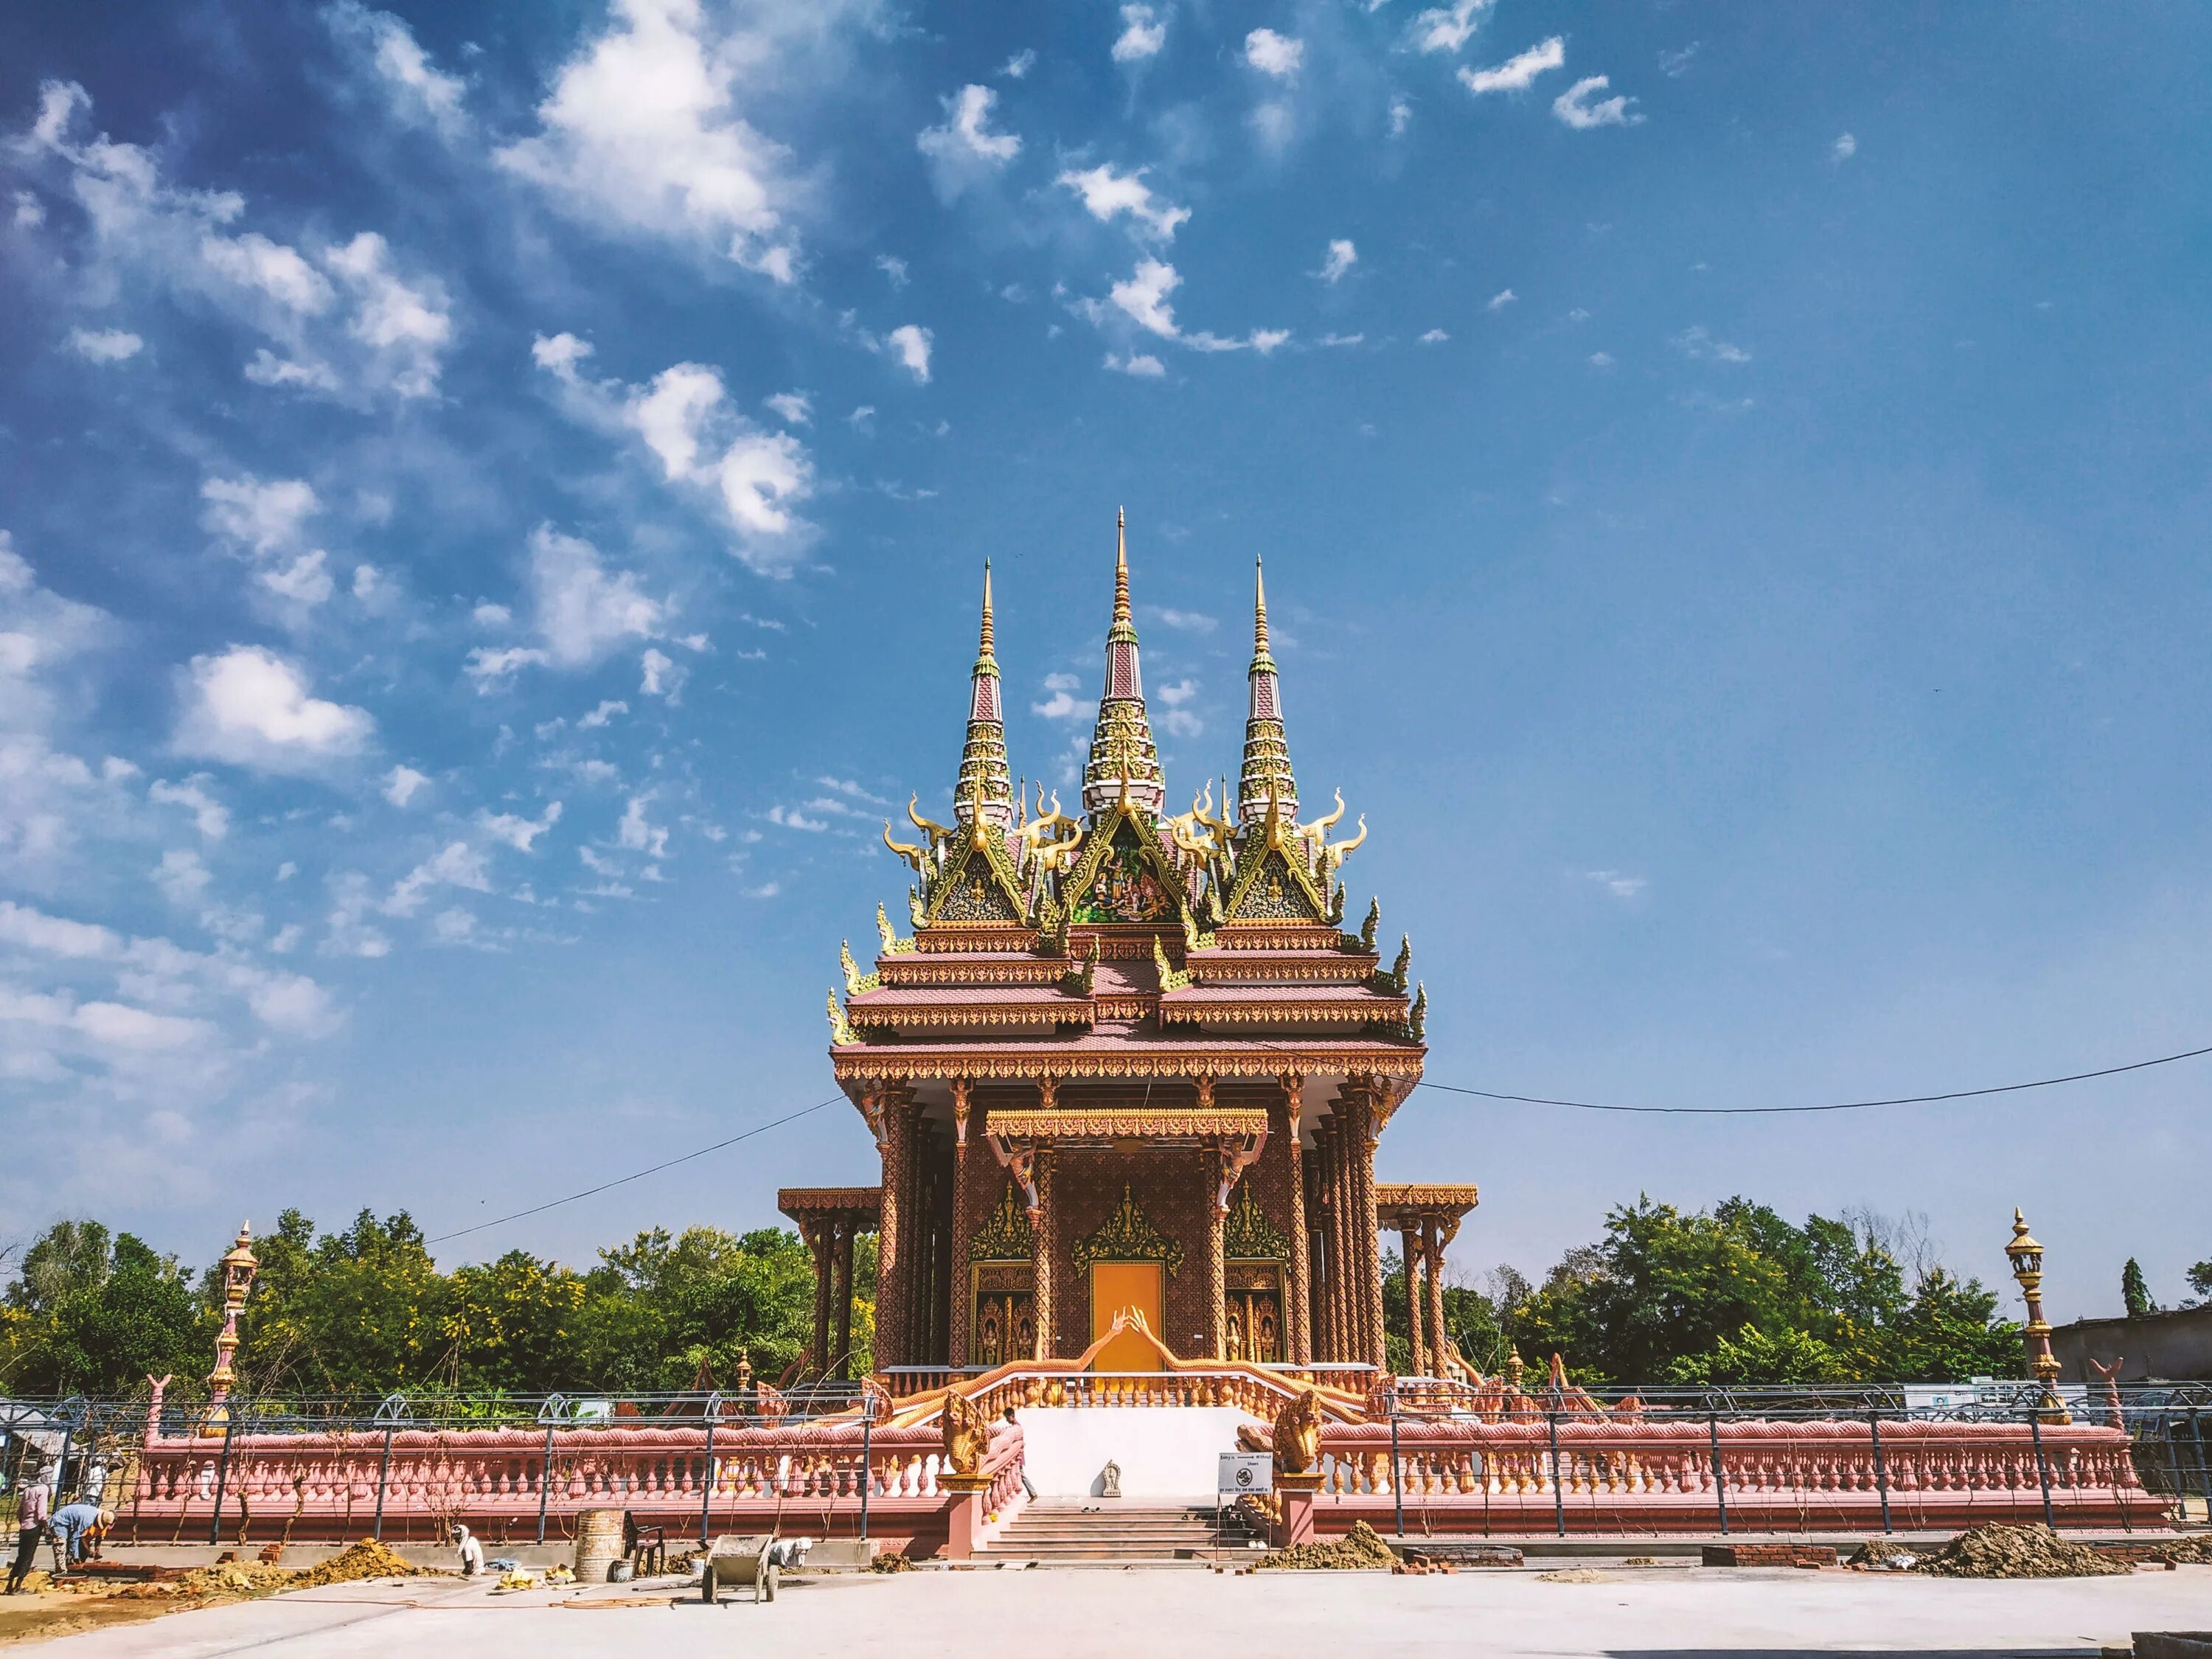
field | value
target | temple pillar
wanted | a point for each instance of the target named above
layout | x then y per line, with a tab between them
817	1245
1298	1323
1217	1260
841	1350
1341	1239
1409	1242
1041	1258
1434	1249
1368	1129
889	1118
963	1300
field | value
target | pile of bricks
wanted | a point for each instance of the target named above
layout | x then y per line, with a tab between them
1770	1555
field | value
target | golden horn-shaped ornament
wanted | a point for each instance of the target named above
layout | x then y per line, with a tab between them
926	825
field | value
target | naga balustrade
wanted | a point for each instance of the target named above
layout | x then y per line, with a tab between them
1638	1475
340	1484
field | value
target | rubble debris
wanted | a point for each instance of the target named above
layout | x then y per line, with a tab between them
365	1559
1362	1548
2002	1551
893	1562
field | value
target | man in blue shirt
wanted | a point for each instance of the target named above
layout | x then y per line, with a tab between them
73	1522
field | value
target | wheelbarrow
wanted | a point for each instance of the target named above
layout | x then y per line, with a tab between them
737	1559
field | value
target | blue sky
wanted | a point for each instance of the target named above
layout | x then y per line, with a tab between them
495	499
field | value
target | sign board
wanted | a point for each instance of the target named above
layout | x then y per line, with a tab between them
1246	1472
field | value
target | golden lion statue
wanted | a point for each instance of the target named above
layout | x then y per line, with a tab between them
1297	1434
966	1434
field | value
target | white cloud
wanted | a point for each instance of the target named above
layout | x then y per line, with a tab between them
793	407
1402	116
1435	336
1575	107
641	133
368	330
1186	622
249	706
691	425
1278	54
1062	704
1144	31
1499	300
488	614
1144	297
1178	719
1844	149
209	816
1342	339
401	783
30	212
1620	886
1519	72
455	865
1142	364
791	819
893	267
267	518
1675	64
601	715
581	610
660	676
183	876
419	91
492	668
1450	28
405	327
911	344
1106	193
1698	342
304	580
106	345
520	833
1600	360
965	149
1340	259
639	834
1019	64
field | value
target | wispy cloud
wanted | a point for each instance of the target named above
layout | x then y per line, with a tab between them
1580	108
1519	72
1698	342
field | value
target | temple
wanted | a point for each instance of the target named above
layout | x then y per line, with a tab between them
1128	1063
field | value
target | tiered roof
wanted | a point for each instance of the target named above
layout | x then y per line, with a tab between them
1127	943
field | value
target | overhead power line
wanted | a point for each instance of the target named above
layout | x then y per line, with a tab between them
1445	1088
624	1181
1828	1106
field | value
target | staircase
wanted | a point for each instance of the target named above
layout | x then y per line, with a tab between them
1069	1532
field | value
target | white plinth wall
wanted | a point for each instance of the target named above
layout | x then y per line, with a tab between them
1164	1451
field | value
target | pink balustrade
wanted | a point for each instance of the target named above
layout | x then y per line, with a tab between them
1642	1475
804	1479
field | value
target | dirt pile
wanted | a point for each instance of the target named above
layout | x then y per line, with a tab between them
1998	1552
230	1578
1361	1548
891	1562
365	1559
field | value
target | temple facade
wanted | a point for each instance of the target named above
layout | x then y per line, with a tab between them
1126	1062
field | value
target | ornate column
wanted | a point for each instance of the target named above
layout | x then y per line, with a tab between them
842	1352
1041	1258
1369	1127
1409	1243
1439	1235
1298	1316
1341	1239
239	1266
818	1244
886	1107
956	1341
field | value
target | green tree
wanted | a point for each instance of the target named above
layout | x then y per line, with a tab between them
2200	1279
96	1312
2135	1295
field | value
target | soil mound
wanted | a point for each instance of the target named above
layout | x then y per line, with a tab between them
2000	1552
1362	1547
365	1559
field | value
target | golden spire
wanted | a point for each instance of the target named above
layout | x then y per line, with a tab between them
987	608
1121	567
1258	605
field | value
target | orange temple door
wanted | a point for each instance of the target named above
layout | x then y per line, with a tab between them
1114	1286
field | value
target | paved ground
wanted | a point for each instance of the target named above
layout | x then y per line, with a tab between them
1662	1612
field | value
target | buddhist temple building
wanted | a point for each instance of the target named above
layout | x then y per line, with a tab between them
1126	1061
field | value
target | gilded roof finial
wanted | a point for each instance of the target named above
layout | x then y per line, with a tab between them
1120	566
987	608
1259	603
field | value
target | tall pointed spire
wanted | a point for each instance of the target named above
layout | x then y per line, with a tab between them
984	774
1124	759
1266	753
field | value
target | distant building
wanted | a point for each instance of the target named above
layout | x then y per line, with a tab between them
2173	1347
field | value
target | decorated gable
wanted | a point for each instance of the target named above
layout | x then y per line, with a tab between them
1124	877
1270	888
979	889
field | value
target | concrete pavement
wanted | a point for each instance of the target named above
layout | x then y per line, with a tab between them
1664	1612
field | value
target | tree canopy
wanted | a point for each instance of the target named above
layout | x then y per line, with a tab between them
1735	1295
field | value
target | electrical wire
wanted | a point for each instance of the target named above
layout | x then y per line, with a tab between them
1830	1106
1445	1088
624	1181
